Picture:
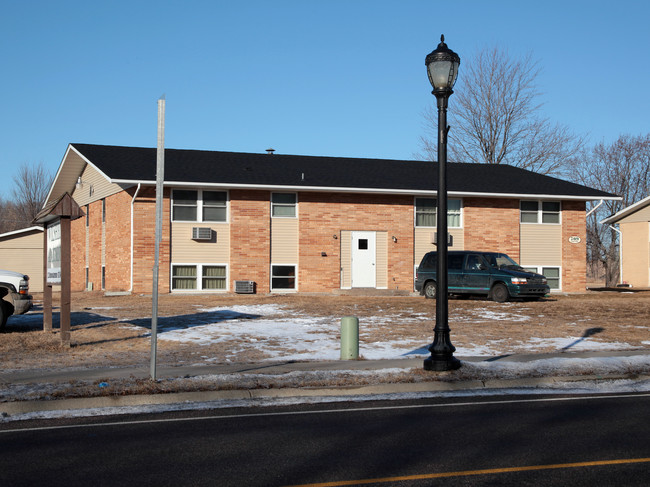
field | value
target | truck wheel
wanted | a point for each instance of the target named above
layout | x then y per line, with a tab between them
430	290
500	293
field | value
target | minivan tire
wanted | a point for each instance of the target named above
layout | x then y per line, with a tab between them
430	289
500	293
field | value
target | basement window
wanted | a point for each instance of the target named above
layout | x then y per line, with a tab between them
283	277
552	275
198	277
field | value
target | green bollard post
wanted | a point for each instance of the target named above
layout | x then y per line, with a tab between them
349	338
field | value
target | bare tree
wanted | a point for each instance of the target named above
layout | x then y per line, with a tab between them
8	217
496	117
31	185
622	168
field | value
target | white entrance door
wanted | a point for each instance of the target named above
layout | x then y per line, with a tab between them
364	259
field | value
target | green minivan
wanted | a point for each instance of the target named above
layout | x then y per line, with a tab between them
490	274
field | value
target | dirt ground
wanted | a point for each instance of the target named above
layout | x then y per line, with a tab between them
100	339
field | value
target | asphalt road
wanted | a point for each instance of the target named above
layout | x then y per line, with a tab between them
525	440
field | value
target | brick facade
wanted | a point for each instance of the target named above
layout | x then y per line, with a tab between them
489	224
144	242
492	225
250	227
574	255
323	215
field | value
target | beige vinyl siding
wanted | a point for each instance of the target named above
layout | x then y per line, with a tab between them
184	249
424	241
636	253
346	259
642	215
24	254
95	187
381	249
284	240
540	245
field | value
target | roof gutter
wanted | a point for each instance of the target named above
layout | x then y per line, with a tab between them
330	189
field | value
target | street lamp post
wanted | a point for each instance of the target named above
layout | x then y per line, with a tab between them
442	68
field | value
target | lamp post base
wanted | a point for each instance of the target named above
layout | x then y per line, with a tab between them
442	353
442	363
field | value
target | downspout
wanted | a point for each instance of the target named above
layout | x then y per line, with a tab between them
594	208
135	195
620	253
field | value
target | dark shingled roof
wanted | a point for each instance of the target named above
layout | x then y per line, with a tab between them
138	164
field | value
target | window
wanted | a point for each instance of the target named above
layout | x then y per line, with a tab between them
547	212
283	205
185	277
87	215
214	206
283	277
192	205
552	275
104	211
426	212
103	277
214	277
185	204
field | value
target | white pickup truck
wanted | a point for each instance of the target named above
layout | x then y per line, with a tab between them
14	295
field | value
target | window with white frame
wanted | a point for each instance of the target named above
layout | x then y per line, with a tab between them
546	212
283	205
199	277
552	275
193	205
426	210
283	277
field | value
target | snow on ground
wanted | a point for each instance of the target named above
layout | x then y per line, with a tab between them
317	338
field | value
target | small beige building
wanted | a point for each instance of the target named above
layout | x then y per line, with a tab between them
634	245
22	251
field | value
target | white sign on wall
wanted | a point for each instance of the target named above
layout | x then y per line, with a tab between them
574	239
54	253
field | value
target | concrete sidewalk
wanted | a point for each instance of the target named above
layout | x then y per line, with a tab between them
281	368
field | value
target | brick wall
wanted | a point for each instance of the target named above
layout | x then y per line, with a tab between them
250	232
78	253
118	241
323	215
492	225
574	255
144	237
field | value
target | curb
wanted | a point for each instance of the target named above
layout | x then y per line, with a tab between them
75	404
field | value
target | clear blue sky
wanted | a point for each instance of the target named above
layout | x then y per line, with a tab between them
326	77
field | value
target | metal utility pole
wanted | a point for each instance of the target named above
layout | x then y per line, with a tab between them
160	178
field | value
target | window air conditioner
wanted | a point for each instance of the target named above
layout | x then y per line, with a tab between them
201	233
245	287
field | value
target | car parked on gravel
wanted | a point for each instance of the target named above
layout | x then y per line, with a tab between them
490	274
14	295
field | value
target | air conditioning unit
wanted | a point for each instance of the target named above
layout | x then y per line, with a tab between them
201	233
245	287
434	239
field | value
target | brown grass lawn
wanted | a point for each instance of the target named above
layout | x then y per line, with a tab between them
98	338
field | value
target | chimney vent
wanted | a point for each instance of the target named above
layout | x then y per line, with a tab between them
270	151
